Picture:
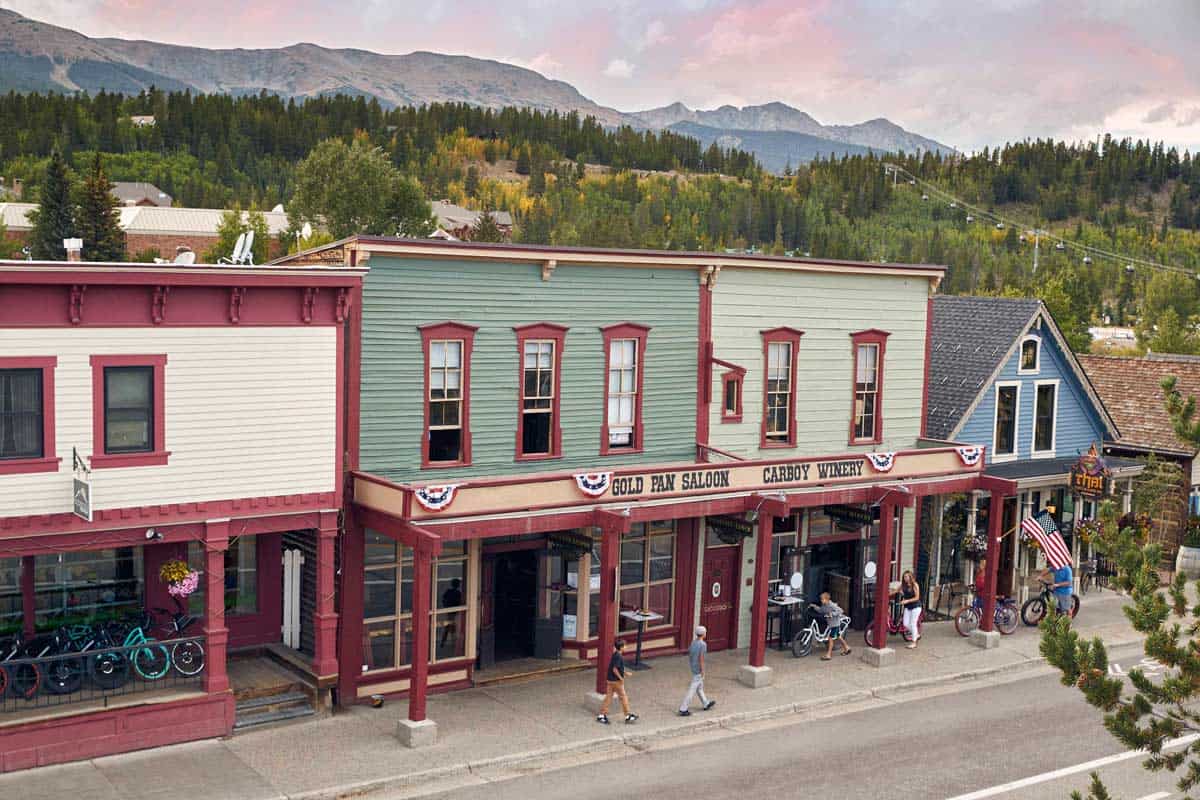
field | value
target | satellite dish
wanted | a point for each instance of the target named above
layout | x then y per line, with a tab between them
248	249
238	247
306	231
186	258
278	209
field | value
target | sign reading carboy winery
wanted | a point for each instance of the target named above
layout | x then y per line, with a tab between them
1090	476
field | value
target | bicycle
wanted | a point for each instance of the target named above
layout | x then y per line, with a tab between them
151	660
895	625
812	630
1034	610
22	679
1005	618
186	657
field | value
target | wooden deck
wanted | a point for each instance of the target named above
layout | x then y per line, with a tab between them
253	677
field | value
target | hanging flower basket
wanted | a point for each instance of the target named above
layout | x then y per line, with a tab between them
974	546
1088	530
181	580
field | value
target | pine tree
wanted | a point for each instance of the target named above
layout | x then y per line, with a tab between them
471	182
54	219
523	161
486	229
98	217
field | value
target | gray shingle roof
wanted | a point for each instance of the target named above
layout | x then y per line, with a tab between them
970	337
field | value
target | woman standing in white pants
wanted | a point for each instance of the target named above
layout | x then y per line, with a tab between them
910	603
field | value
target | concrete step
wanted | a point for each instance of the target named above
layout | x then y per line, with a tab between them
284	699
255	720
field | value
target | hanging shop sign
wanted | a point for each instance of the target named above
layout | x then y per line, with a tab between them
82	504
1090	476
570	543
849	517
731	528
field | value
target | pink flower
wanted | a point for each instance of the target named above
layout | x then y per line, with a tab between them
186	586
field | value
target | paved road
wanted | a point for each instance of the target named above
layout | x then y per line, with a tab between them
940	746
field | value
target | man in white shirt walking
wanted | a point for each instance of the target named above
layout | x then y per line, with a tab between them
696	662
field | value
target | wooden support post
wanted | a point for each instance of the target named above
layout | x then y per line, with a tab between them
325	618
758	614
995	531
610	541
883	573
422	595
216	542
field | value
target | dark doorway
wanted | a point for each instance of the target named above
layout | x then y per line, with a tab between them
516	603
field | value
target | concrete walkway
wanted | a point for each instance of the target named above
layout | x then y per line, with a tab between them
516	726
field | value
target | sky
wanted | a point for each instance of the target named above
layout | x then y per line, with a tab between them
966	74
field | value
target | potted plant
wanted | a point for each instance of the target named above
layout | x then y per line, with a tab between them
181	580
1187	560
974	545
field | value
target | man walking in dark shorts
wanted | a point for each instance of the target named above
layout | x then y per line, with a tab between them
616	686
696	662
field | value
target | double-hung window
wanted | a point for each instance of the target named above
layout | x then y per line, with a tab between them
447	348
780	349
625	352
1004	444
27	415
1045	415
866	421
539	434
128	413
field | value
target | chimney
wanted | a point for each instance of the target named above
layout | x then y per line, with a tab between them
74	248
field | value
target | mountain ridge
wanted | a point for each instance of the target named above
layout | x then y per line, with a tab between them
38	56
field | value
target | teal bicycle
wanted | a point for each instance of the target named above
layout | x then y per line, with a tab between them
151	660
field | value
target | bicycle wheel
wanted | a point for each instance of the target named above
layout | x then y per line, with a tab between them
188	658
1074	605
63	675
1006	619
24	680
152	662
109	670
1033	612
869	635
3	681
802	643
966	620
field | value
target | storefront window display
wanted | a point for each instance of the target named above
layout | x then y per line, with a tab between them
647	576
785	532
241	576
387	603
85	587
575	581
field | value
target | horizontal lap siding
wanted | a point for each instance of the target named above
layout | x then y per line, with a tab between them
402	295
828	308
1078	422
250	412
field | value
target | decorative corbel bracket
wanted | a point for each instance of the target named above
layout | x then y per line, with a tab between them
237	296
548	267
708	276
310	302
158	306
75	305
342	309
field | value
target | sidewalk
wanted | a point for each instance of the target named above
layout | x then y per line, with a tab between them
356	751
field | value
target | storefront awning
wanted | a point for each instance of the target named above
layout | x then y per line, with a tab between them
1047	472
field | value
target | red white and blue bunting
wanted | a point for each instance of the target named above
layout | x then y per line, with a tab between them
435	498
881	462
593	484
969	455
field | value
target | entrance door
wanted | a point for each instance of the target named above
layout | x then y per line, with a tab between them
1005	568
515	603
719	596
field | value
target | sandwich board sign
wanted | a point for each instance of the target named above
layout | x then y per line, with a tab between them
82	504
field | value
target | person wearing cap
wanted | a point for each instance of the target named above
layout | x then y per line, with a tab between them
696	662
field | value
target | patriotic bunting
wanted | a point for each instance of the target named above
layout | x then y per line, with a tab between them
1045	532
435	498
969	456
593	484
882	462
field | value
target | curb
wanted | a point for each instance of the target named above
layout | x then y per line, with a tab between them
637	741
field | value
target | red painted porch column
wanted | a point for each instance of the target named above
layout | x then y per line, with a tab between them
610	541
422	594
883	573
325	618
995	521
216	542
762	567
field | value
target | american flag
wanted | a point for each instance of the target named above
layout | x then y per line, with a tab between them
1043	529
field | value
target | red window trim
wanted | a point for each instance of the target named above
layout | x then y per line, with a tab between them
877	337
738	376
625	330
791	336
159	455
465	333
49	461
557	334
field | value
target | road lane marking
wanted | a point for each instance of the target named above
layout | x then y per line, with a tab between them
1156	796
1087	766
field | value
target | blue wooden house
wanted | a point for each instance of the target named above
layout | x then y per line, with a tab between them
1001	376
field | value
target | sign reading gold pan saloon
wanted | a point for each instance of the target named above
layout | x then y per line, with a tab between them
735	477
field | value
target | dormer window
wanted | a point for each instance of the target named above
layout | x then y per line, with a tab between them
1031	355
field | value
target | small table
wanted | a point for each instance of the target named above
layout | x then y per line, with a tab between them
641	618
785	616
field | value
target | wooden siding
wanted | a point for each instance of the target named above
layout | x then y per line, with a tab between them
403	294
250	412
828	308
1078	424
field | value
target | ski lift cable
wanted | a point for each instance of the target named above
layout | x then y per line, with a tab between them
1085	249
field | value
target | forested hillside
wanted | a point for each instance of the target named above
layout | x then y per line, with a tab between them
571	181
